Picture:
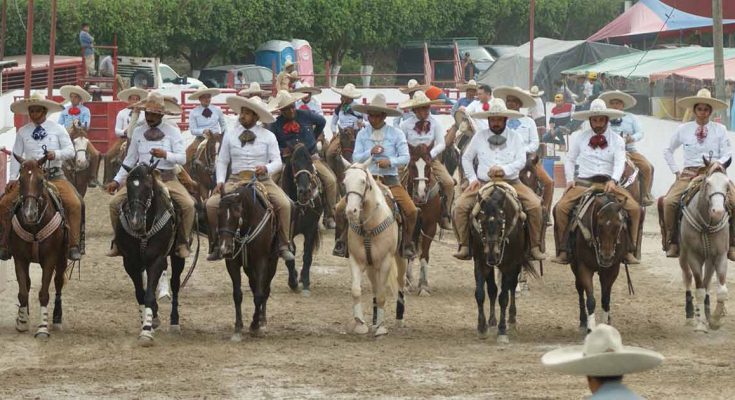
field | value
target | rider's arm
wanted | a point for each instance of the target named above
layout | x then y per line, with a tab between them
637	133
223	159
571	160
62	117
85	118
618	147
674	144
724	145
319	123
18	149
120	123
130	159
194	127
333	125
222	121
533	142
177	154
519	161
275	164
402	155
362	147
469	156
439	144
66	146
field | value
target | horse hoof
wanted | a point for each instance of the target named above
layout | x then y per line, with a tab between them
57	327
701	327
424	292
294	289
236	338
175	329
42	333
503	339
21	326
482	335
156	323
381	331
400	323
361	328
145	341
257	333
689	322
583	330
513	327
306	293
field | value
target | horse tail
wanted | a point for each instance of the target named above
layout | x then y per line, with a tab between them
530	270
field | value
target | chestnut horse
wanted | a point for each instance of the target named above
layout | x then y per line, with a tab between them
202	167
78	169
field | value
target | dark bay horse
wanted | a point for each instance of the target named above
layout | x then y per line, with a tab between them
302	185
37	235
499	241
78	169
346	144
248	241
145	237
202	167
423	187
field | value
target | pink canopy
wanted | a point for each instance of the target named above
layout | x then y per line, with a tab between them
702	72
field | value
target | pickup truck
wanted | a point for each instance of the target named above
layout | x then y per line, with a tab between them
150	73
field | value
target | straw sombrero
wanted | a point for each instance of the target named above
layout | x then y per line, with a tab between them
288	63
36	99
463	122
159	104
471	84
497	109
307	88
628	100
377	104
68	90
349	91
503	92
412	86
598	108
419	100
254	90
534	92
284	99
201	92
602	354
124	95
704	96
254	104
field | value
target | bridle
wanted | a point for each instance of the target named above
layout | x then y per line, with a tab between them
314	186
241	238
698	222
595	235
502	238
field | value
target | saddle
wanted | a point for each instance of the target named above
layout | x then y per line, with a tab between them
397	213
261	192
578	213
510	194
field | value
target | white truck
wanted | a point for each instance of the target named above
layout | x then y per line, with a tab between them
150	73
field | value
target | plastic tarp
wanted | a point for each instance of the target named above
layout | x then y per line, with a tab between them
643	65
703	72
651	17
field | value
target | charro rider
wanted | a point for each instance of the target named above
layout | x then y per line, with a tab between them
251	151
309	102
501	154
285	78
77	111
423	129
122	122
160	139
204	119
254	90
700	139
410	89
294	126
629	129
389	150
345	115
34	139
600	154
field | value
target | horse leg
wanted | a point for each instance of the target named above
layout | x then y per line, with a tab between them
492	292
177	268
137	277
270	273
356	273
258	288
607	279
43	298
700	294
305	277
480	299
687	280
293	278
424	289
512	307
233	268
153	272
720	269
401	299
58	285
24	286
503	302
381	290
579	284
591	302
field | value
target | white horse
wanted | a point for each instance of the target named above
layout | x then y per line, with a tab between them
704	242
373	247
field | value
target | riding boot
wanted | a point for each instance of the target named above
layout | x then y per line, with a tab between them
214	251
562	258
445	222
340	237
673	250
463	253
731	251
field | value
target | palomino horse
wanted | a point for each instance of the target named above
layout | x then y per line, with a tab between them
423	187
300	182
247	234
598	242
37	235
704	238
499	240
336	162
145	237
373	247
202	166
77	169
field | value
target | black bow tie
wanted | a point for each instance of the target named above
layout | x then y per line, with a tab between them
153	134
207	112
247	136
497	140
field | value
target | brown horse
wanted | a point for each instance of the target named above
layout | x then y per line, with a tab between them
37	236
345	143
202	167
423	187
78	169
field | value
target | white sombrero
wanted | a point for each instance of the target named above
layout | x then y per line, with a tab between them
254	90
307	88
349	90
124	95
602	354
628	100
463	122
284	99
412	86
201	92
704	96
598	108
254	104
288	63
534	92
497	109
157	103
68	90
36	99
419	100
503	92
471	84
377	104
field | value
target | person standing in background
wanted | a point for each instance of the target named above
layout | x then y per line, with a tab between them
87	42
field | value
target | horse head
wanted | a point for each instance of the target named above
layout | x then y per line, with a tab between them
359	184
140	189
304	177
347	137
81	160
715	188
495	218
32	189
608	228
230	215
419	172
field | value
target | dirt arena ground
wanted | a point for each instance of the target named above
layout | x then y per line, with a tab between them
308	353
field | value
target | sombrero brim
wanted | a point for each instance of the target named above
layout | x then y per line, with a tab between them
307	89
465	86
236	104
585	115
366	108
124	95
488	114
628	100
294	97
691	101
537	94
202	92
169	108
350	94
571	360
68	90
260	93
412	89
503	92
21	106
411	104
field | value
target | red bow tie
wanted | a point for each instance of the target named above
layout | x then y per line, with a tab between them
74	110
422	127
701	133
304	107
291	127
485	106
598	141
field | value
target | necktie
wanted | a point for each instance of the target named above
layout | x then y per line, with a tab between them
247	136
701	133
598	141
422	127
207	112
497	139
74	110
39	133
153	134
485	106
291	127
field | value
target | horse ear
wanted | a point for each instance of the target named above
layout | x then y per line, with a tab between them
727	163
18	158
42	161
126	168
154	165
706	161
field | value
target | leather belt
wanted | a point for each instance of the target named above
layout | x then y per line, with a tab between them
246	176
592	181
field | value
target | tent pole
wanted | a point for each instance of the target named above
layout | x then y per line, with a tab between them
530	35
717	37
52	50
29	52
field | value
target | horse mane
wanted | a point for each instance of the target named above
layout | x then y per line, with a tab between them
300	156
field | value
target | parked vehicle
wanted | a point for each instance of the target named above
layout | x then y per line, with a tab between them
150	73
224	76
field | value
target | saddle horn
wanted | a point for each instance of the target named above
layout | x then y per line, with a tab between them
727	163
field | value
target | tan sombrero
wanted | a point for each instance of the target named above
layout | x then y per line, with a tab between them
628	100
124	95
284	99
68	90
463	122
288	63
349	91
254	90
471	84
377	104
254	104
412	86
307	88
294	75
157	103
419	100
497	109
503	92
598	108
602	354
36	99
704	96
534	92
201	92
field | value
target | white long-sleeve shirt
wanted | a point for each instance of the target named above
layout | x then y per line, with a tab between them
122	121
435	135
262	151
609	161
475	107
313	105
57	140
348	119
139	149
526	128
511	156
198	122
716	145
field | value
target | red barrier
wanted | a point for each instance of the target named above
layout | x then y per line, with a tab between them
3	171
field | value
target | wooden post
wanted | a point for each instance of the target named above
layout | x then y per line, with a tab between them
29	52
717	43
52	50
530	36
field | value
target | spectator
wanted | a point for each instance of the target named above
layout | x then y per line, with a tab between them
561	116
468	67
538	111
87	42
106	67
239	81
